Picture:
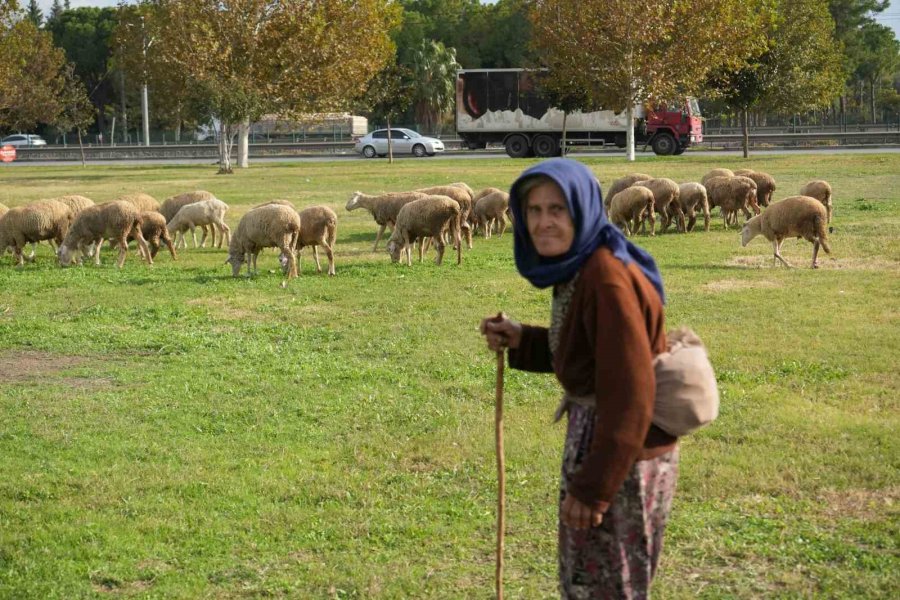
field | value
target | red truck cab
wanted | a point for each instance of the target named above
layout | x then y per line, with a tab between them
671	127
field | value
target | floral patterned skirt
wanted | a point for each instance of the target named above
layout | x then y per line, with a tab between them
618	559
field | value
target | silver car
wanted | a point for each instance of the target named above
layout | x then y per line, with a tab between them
23	139
404	141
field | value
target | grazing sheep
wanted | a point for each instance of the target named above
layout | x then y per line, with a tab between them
114	221
665	201
154	230
75	202
765	185
318	227
465	186
632	203
384	208
691	197
197	214
422	219
36	222
623	183
280	202
800	216
484	192
732	194
265	227
716	173
465	206
173	204
143	202
491	210
821	191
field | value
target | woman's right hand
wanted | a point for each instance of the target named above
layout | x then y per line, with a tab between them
500	332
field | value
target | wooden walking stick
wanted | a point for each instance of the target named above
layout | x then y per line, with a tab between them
501	472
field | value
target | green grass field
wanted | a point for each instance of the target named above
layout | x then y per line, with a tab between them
172	432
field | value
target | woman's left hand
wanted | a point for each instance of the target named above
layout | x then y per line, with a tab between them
578	515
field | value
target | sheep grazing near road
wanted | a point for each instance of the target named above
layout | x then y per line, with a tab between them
692	198
39	221
765	185
716	173
665	201
484	192
623	183
279	202
318	227
426	218
491	210
797	216
143	202
633	203
384	208
199	214
173	204
821	191
154	230
264	227
465	206
114	221
465	186
732	194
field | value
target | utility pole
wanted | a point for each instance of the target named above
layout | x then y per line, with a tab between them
145	109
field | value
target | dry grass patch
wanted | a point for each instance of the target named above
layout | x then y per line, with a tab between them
865	505
27	365
731	285
224	308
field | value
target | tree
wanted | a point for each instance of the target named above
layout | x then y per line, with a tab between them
56	9
34	14
433	68
251	57
623	53
878	58
76	110
388	96
798	69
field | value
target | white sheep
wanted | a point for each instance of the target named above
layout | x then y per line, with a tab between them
173	204
692	197
821	191
264	227
491	210
732	194
114	221
422	219
665	201
623	183
716	173
198	214
765	185
318	227
797	216
384	207
633	203
36	222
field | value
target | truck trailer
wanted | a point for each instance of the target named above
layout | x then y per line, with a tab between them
505	106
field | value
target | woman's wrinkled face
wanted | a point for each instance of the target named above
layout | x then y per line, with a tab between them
549	223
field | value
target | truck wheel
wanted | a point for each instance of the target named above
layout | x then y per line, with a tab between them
517	146
546	146
664	144
680	150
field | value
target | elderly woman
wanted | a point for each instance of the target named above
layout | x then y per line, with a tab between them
606	325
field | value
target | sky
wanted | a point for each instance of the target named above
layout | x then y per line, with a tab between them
890	17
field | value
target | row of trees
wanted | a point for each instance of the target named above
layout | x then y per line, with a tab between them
205	61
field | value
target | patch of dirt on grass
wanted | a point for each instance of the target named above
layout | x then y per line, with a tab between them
731	285
222	308
865	505
875	263
28	365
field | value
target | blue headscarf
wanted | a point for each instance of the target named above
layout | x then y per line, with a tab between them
592	229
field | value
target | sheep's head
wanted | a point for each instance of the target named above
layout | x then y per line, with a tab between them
394	249
750	230
65	254
352	202
236	260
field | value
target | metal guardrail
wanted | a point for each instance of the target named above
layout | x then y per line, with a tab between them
210	151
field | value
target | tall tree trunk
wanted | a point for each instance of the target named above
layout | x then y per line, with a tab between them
390	143
178	130
562	148
225	137
81	147
124	111
629	132
872	99
745	130
244	144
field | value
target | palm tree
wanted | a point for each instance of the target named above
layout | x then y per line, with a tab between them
434	70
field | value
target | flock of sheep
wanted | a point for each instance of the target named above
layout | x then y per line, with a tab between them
440	215
634	200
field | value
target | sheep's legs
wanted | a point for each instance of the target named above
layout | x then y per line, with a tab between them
439	248
815	264
329	252
316	257
224	234
777	244
378	236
